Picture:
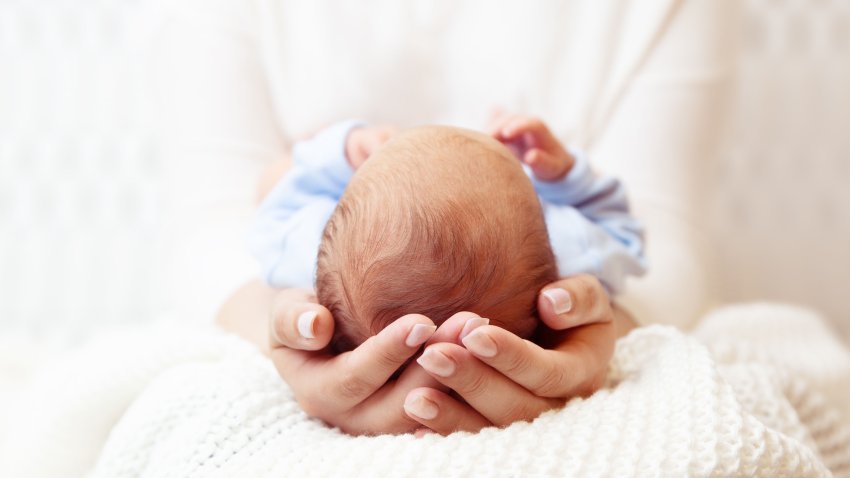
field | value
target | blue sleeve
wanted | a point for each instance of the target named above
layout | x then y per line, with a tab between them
590	226
287	230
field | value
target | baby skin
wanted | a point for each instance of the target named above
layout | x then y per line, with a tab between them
436	220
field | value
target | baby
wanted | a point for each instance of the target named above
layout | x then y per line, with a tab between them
439	220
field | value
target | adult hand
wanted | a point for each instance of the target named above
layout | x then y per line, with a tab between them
353	390
503	378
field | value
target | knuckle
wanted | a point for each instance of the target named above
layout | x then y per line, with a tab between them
352	386
517	410
593	284
585	286
595	383
552	383
389	358
517	364
473	385
523	410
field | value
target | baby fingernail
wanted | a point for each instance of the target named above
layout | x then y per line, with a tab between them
306	322
436	363
481	344
471	325
560	300
418	334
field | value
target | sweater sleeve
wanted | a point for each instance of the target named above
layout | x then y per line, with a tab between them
287	231
590	226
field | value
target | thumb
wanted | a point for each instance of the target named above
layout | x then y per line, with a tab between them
574	301
300	325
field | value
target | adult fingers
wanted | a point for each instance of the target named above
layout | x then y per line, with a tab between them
353	376
383	411
298	322
559	373
327	385
574	301
442	413
456	327
496	397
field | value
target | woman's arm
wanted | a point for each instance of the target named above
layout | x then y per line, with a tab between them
246	313
219	132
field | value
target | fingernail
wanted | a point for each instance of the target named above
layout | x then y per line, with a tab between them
436	363
471	325
422	408
306	322
481	344
560	300
418	334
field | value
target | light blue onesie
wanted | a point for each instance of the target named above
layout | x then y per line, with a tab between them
587	217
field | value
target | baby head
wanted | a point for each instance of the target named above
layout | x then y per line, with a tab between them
437	221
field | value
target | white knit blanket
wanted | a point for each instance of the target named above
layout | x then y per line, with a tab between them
757	401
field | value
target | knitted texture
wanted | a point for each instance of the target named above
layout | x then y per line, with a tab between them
206	405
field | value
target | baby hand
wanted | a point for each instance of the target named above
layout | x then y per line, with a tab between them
533	143
362	142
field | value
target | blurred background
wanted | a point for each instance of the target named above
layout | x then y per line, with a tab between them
80	166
